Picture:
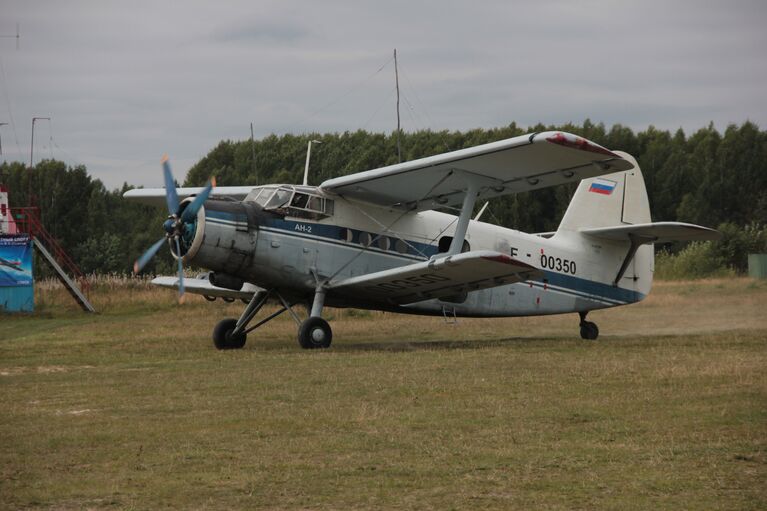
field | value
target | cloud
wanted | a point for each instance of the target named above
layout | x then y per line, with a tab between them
125	83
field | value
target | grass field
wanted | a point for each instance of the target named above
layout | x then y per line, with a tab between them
134	409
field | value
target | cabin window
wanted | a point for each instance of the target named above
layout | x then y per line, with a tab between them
346	235
400	246
384	243
365	239
444	245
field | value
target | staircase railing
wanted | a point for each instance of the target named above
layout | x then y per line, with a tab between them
28	221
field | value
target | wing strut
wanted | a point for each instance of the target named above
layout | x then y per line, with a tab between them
463	220
636	242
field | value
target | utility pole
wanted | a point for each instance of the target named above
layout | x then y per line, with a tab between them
253	153
31	154
32	145
1	138
396	80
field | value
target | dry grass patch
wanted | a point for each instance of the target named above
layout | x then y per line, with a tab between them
134	409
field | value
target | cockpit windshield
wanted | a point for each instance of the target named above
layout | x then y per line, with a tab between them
292	201
279	199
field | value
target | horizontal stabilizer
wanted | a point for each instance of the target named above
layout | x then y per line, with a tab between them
442	277
656	232
202	286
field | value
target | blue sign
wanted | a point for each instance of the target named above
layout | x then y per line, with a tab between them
16	281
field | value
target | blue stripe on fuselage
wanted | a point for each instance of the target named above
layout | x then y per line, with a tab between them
332	233
592	288
337	233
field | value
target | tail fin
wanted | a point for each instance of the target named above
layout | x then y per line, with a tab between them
610	200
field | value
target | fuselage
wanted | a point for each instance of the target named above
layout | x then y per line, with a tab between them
326	237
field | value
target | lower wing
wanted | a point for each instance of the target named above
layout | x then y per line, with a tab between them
442	277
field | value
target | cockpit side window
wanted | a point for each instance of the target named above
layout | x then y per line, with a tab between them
299	200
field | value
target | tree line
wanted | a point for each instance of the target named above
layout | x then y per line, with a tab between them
710	178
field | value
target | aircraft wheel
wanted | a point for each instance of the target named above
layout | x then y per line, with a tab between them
315	333
222	335
589	331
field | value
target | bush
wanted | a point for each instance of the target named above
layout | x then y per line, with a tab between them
727	257
697	260
738	242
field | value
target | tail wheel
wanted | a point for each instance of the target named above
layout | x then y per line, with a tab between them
315	333
223	338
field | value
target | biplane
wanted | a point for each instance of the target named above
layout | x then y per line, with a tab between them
381	239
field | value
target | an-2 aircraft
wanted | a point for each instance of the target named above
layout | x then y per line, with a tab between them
374	240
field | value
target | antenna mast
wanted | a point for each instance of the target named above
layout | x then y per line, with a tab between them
253	153
17	36
1	138
396	79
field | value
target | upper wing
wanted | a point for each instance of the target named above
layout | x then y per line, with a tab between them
508	166
156	196
656	232
439	278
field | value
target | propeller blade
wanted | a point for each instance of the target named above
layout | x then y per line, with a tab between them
171	197
147	256
191	210
180	273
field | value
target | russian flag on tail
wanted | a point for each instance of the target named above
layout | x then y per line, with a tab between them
603	186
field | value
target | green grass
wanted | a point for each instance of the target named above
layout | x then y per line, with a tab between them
134	409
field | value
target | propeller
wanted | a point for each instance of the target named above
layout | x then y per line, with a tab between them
175	224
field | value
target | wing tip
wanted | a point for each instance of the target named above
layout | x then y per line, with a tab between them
565	139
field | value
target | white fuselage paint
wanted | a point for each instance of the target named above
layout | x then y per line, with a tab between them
578	270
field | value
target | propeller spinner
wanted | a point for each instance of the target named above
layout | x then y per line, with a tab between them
175	224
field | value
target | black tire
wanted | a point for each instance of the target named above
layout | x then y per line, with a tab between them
222	335
589	331
315	333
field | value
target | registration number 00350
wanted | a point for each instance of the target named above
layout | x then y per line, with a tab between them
558	264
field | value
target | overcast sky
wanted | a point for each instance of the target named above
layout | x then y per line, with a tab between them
125	82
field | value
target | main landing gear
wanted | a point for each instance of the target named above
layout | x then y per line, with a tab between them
589	330
313	333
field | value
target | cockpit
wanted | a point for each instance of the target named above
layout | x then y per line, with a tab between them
302	202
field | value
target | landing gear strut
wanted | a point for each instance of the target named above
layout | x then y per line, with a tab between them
313	333
589	330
